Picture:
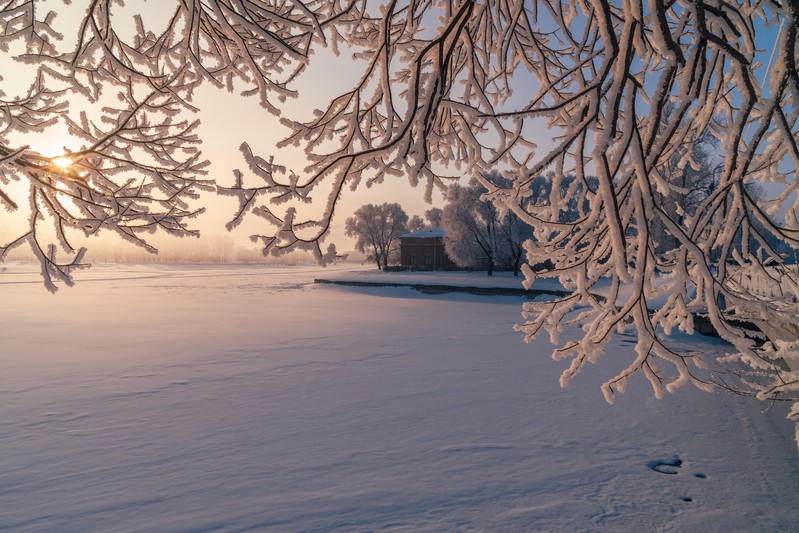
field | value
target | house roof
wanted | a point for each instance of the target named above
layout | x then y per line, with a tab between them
428	233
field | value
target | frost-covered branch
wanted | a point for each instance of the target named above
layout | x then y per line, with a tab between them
126	100
621	104
137	173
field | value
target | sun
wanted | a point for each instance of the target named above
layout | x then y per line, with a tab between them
62	162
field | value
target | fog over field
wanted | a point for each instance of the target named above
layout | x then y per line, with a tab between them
247	398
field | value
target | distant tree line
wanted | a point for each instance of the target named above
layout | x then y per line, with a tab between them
479	234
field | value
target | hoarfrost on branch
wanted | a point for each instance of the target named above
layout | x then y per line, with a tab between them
626	91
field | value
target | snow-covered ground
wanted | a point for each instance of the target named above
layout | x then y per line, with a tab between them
227	398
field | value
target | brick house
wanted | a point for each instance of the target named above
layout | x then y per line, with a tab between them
424	250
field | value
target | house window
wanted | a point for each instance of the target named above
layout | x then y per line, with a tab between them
428	260
413	260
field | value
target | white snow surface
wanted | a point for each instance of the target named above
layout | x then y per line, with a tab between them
247	398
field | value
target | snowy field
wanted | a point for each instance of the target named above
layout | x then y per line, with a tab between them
214	398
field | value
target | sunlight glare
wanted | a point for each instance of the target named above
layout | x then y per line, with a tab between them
62	162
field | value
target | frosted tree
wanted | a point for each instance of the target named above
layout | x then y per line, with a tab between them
481	233
513	234
433	216
445	88
471	222
416	223
377	229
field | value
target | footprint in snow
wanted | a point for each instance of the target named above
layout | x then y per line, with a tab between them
671	466
666	466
